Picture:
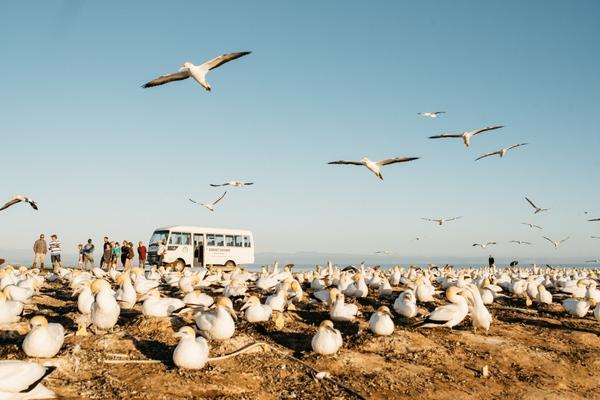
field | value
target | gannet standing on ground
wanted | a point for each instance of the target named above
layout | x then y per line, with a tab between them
466	136
341	311
217	324
255	311
406	304
500	152
10	310
381	322
197	298
578	307
537	209
85	298
197	72
104	310
44	340
480	316
21	380
126	295
19	199
191	351
543	295
375	166
210	206
156	306
327	340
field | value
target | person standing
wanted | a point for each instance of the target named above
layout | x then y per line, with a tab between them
160	252
142	254
40	248
80	259
88	254
116	256
55	252
130	254
491	261
124	254
106	253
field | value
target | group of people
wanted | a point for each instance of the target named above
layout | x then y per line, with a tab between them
112	253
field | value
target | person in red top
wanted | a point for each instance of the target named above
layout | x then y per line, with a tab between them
142	253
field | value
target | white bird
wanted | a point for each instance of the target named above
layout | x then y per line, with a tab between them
255	311
191	351
556	243
466	136
484	245
500	152
531	225
440	221
543	295
519	242
537	209
480	316
210	206
10	310
217	324
375	166
278	300
448	315
381	322
126	295
386	252
156	306
232	183
596	261
406	304
597	312
104	310
341	311
21	380
19	199
431	114
44	340
197	298
197	72
577	307
327	340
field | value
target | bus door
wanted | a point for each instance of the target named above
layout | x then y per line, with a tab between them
198	250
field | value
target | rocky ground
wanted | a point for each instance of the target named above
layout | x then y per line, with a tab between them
529	353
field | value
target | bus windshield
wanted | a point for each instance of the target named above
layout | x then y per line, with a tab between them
158	235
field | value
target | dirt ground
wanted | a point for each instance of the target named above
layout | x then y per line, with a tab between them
529	353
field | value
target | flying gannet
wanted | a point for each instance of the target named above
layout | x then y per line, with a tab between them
210	206
431	114
537	209
556	243
484	245
519	242
197	72
500	152
467	135
531	225
232	183
440	221
375	166
19	199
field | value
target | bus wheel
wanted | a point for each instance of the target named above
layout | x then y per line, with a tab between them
230	264
179	265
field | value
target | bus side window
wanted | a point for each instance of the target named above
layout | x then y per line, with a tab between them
210	239
219	241
247	241
238	242
186	238
229	240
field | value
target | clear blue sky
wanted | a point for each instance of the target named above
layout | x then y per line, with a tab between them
325	81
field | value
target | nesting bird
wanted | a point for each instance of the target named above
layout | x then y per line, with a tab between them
44	340
327	340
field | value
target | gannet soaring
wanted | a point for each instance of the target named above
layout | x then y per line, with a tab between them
519	242
484	245
537	209
556	243
19	199
500	152
531	225
375	166
198	72
466	136
431	114
210	206
440	221
232	183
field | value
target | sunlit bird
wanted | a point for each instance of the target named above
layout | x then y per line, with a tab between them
556	243
466	136
431	114
500	152
197	72
519	242
375	166
19	199
537	209
210	206
440	221
531	225
232	183
483	245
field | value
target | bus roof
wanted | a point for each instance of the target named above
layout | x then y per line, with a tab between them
186	228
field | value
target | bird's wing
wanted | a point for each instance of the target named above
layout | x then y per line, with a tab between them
10	203
427	219
527	242
396	160
217	185
193	201
487	128
476	244
223	58
516	145
346	162
530	202
565	239
219	199
548	239
537	226
443	313
594	219
490	243
487	155
33	204
452	219
248	183
175	76
445	135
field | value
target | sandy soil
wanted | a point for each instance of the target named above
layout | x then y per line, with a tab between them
530	354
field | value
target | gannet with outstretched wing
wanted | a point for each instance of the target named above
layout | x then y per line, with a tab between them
375	166
466	136
210	206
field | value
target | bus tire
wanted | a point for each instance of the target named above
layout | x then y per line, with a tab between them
230	264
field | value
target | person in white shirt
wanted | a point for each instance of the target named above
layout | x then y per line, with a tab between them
162	250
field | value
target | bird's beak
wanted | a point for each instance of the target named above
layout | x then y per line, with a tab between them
231	311
331	329
245	306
